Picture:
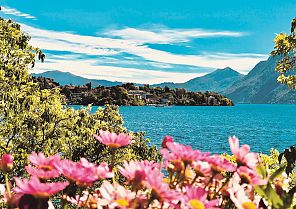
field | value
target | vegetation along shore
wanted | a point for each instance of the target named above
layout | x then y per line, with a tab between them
129	94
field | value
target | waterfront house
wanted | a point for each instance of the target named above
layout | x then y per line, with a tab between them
139	94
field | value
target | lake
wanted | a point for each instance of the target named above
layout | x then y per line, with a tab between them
207	127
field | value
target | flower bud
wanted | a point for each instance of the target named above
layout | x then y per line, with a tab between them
6	162
138	180
165	140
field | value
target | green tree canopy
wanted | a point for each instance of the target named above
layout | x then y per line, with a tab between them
36	120
285	47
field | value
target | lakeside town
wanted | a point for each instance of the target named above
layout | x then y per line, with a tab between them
129	94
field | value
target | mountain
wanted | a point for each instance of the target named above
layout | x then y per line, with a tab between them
260	86
65	78
216	81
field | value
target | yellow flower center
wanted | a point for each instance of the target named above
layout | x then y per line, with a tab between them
245	178
113	145
249	205
45	167
196	204
122	202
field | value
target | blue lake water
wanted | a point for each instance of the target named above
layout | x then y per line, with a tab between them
208	128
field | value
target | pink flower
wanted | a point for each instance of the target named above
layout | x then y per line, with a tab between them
103	171
136	172
219	164
83	173
250	176
130	168
240	198
180	152
159	190
165	140
36	188
41	173
113	140
115	196
196	197
44	166
87	200
202	169
243	154
40	161
6	162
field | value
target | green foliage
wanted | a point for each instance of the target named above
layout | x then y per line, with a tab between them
271	168
130	95
285	46
274	165
277	198
35	119
270	161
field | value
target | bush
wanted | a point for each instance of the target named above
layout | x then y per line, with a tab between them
35	120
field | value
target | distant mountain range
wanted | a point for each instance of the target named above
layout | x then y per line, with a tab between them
258	86
65	78
216	81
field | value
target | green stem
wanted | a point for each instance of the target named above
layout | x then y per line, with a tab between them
7	185
85	204
182	176
223	185
211	179
134	204
196	176
112	151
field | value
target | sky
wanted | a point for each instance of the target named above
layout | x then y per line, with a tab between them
150	41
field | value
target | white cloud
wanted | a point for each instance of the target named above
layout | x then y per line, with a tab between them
165	36
94	45
88	68
104	48
15	12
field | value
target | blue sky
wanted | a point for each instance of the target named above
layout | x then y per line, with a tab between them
150	41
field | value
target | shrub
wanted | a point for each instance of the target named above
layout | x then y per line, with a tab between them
35	120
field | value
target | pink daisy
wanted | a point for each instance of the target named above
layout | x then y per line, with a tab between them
196	197
239	197
243	154
219	164
83	173
136	172
202	169
180	152
115	196
41	173
129	169
250	176
159	190
113	140
36	188
40	161
44	166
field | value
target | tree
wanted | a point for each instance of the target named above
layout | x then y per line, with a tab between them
285	47
35	120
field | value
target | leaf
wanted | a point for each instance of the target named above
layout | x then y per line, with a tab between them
261	169
277	173
270	194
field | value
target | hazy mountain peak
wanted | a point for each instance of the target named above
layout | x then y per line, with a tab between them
260	86
225	72
66	78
